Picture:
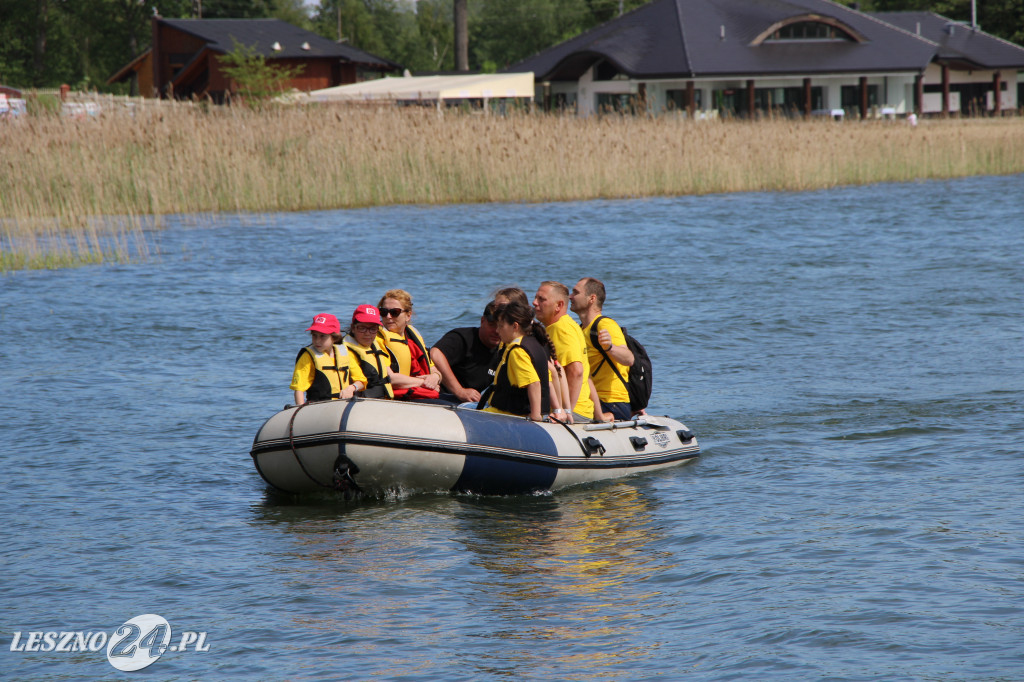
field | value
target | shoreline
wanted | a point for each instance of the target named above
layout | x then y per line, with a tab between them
185	159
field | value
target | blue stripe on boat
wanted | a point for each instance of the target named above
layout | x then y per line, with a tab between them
512	434
492	475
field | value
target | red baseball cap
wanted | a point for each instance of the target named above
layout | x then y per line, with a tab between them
325	323
366	313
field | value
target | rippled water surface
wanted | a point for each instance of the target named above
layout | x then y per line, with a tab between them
852	361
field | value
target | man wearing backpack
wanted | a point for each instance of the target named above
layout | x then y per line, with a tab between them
610	359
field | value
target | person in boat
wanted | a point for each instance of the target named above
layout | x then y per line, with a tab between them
463	356
507	295
521	382
409	354
551	304
373	358
324	370
587	300
559	383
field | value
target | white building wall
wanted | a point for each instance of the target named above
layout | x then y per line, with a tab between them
1008	98
589	89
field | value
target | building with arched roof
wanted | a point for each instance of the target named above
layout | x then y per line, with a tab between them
748	57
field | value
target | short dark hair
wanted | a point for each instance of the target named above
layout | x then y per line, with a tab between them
594	287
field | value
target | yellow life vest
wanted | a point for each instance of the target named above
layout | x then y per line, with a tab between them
330	375
398	346
374	362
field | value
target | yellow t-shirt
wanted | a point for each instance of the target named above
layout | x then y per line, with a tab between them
609	388
570	346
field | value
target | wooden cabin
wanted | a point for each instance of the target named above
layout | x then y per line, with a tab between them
184	60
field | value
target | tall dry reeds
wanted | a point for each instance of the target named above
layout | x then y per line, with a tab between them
58	173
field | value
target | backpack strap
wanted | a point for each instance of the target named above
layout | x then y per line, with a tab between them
598	346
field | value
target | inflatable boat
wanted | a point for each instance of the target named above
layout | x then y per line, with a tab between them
376	447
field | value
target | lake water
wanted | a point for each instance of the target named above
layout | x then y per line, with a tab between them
850	359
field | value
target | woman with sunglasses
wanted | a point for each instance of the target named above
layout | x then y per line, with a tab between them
408	350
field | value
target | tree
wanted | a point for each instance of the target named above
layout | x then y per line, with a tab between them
1001	18
257	80
292	11
461	22
434	20
236	9
505	31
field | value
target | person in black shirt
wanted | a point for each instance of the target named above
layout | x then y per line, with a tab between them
464	357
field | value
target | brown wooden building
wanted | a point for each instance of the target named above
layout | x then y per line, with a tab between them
184	60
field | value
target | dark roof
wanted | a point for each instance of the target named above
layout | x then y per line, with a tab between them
263	33
958	43
719	38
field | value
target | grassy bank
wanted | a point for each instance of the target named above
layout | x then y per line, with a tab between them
58	173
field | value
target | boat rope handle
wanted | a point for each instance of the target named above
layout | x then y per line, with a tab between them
586	450
291	443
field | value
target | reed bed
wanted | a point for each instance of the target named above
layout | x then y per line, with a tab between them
61	177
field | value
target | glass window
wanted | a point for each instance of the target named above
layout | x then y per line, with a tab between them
809	30
608	103
676	99
849	98
780	101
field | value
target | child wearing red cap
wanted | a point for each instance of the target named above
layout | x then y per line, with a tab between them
324	370
373	356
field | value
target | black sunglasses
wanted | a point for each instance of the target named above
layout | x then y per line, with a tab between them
391	312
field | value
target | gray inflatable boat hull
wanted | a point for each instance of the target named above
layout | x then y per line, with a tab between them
377	447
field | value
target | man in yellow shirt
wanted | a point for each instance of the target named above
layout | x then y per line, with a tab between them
551	306
587	300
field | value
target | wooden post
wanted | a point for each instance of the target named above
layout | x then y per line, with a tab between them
807	98
919	94
751	100
863	97
691	104
945	90
997	99
641	98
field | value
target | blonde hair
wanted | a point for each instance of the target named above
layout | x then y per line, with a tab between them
560	291
400	295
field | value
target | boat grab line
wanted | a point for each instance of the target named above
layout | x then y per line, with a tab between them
476	449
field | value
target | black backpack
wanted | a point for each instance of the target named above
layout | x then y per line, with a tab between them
641	377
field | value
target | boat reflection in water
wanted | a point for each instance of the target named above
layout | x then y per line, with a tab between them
559	581
571	570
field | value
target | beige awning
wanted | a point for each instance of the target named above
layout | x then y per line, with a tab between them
432	88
